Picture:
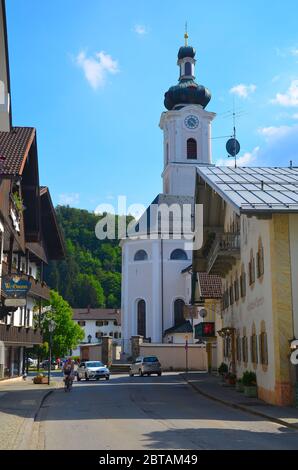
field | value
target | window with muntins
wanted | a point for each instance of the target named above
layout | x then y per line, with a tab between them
192	151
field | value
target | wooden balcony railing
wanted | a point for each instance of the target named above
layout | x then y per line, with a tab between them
225	245
20	335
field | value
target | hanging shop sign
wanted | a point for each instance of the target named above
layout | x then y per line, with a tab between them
14	287
205	330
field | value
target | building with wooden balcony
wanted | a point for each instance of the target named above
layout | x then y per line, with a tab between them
29	232
250	227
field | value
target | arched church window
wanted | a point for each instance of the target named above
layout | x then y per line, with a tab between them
178	312
188	68
141	255
192	152
142	318
167	153
179	255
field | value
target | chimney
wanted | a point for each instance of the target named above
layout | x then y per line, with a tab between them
5	111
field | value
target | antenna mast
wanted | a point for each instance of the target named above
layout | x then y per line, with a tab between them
233	146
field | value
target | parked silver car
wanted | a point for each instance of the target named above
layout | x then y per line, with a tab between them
92	370
145	365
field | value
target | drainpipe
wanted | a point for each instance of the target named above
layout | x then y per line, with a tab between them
162	296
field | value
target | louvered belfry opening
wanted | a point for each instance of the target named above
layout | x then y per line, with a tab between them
191	149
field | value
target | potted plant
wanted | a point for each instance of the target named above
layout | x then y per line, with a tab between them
249	381
40	379
239	386
18	202
230	378
223	370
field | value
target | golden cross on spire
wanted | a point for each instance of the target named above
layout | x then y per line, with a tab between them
186	35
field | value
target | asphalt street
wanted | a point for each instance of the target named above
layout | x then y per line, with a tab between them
149	413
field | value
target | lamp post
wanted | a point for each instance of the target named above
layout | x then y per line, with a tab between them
186	354
51	327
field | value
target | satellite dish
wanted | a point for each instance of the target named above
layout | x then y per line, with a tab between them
233	147
203	313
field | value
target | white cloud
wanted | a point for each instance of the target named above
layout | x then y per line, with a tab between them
140	29
290	98
69	199
97	67
294	51
243	90
272	132
281	145
245	160
295	116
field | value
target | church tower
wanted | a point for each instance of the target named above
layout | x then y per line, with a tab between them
186	127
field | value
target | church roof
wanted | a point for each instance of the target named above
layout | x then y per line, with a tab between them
150	221
254	189
184	328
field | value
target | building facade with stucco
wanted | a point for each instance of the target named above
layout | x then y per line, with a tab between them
254	249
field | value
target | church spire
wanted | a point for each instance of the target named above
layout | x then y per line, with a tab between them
186	35
187	91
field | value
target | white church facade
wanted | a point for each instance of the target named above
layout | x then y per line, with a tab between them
154	289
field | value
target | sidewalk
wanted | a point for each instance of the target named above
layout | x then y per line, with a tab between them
19	404
212	387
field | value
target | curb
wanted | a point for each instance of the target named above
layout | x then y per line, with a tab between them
240	407
23	438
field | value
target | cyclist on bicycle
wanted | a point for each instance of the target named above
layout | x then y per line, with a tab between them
68	371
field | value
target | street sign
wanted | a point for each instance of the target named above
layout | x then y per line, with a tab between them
15	302
14	287
205	330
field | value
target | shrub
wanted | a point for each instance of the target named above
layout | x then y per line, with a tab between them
249	378
223	369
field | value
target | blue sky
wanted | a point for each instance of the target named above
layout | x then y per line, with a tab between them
91	77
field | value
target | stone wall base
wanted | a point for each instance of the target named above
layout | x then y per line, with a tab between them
282	395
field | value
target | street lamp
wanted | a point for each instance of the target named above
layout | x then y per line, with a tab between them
51	327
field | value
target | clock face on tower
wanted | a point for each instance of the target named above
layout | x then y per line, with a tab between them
191	122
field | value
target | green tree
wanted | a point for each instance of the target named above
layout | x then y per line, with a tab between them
91	272
67	333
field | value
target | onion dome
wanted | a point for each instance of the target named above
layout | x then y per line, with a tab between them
185	93
186	51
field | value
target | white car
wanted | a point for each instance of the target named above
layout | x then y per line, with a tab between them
92	370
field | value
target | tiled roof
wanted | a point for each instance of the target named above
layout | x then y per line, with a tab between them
14	147
254	189
97	314
184	328
210	286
